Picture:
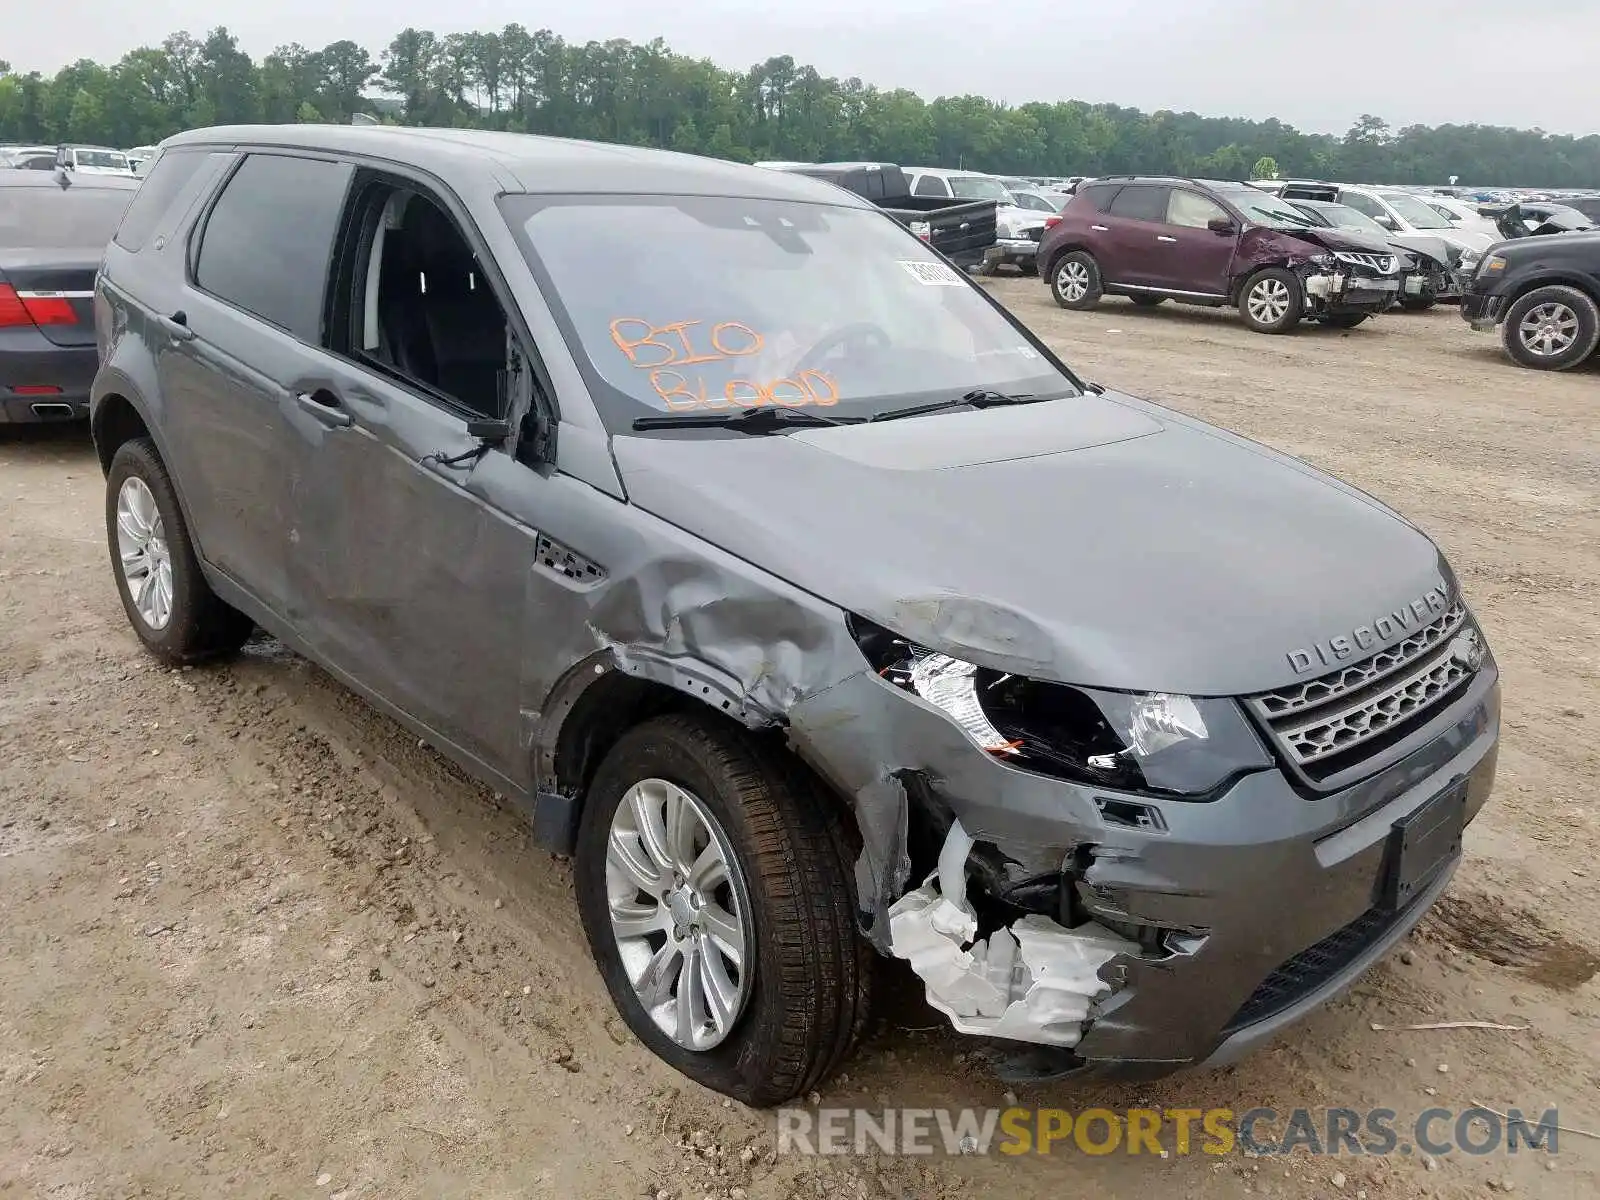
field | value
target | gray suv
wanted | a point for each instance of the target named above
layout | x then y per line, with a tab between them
791	586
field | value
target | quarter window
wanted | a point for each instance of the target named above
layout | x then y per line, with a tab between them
163	181
267	244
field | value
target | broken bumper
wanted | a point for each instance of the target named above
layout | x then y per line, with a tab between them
1336	292
1211	925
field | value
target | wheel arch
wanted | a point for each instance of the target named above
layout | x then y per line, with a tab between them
610	692
1556	278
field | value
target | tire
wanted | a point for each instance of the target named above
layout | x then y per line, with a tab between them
1569	316
1075	281
1029	268
1271	301
805	1001
1148	301
194	624
1417	303
1345	320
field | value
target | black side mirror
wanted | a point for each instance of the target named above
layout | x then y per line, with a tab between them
1222	226
491	431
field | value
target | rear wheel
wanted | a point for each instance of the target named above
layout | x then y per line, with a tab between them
713	884
1148	301
1551	328
1075	281
1345	320
169	604
1271	301
1417	303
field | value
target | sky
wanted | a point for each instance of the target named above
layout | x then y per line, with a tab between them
1313	64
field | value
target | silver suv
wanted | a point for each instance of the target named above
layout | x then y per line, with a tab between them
793	587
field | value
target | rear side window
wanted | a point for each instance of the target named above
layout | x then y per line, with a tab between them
1098	196
79	217
268	241
163	180
1141	202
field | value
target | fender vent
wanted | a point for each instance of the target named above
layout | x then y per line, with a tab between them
569	564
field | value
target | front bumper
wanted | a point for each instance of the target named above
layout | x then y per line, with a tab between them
1482	310
1334	293
1253	909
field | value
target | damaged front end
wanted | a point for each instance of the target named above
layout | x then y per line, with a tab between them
1341	282
1032	980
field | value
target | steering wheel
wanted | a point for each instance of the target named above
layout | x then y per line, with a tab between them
861	334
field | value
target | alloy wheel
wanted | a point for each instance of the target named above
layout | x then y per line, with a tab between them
1268	301
1072	280
680	913
142	551
1548	329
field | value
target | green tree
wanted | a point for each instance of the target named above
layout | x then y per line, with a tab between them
644	93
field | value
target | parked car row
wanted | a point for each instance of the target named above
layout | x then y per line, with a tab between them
84	160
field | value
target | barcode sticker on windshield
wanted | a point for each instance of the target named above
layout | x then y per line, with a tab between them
931	274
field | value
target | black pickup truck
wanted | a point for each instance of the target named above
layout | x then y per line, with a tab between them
1543	294
964	232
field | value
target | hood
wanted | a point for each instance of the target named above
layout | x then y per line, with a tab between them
1435	248
1095	540
1341	239
1463	239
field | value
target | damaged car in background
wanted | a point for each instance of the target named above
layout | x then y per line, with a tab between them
1214	243
1432	270
795	589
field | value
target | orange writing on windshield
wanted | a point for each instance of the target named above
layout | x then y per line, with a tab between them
652	346
664	350
680	394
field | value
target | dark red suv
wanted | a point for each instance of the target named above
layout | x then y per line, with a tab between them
1204	242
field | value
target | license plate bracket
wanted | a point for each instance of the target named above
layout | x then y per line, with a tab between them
1423	844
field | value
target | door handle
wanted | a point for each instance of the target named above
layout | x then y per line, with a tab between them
1161	237
325	407
1101	228
178	326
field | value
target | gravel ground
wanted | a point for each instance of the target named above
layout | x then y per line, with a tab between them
259	942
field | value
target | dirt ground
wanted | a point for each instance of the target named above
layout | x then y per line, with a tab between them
259	942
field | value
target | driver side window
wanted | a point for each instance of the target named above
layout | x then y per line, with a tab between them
1192	210
1365	204
421	309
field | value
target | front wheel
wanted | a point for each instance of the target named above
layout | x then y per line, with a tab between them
1271	301
1551	328
712	881
1075	281
169	604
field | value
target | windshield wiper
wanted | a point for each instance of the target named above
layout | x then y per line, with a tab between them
979	398
751	420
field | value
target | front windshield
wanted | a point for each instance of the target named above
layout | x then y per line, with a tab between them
979	187
688	304
1342	216
1417	214
1266	209
113	159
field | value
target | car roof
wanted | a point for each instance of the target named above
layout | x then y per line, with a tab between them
538	164
948	172
52	179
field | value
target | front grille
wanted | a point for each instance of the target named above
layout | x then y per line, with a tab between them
1323	723
1383	264
1314	967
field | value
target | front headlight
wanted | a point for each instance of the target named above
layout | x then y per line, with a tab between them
1181	745
1494	264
